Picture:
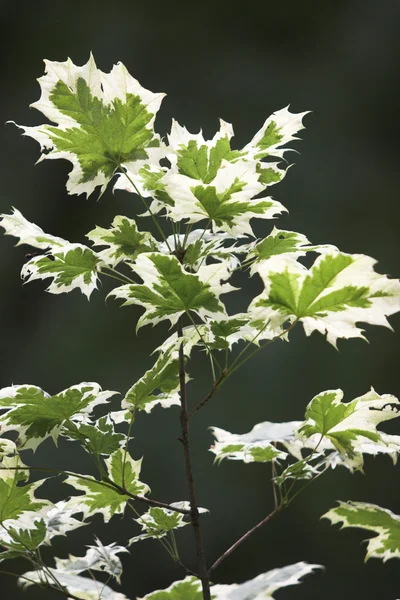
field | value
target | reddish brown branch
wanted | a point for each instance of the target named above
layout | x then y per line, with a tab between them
210	394
243	539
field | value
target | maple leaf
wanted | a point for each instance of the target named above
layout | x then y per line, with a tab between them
103	121
257	444
97	558
351	428
163	377
168	291
16	225
279	129
125	242
259	588
80	587
383	522
100	496
36	415
336	293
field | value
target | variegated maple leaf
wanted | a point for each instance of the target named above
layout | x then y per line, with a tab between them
103	120
337	292
36	415
69	265
102	497
381	521
168	291
351	428
260	588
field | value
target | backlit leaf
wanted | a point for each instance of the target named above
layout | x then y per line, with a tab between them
103	121
381	521
338	291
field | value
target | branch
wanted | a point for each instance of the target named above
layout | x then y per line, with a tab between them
184	418
243	539
148	501
210	394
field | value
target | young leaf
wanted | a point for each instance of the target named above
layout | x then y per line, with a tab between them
80	587
97	558
386	544
223	333
168	291
351	428
36	415
103	121
338	291
157	522
101	496
125	242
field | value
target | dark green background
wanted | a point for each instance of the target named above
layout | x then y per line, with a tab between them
239	62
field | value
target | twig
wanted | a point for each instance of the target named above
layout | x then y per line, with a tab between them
184	418
243	539
210	394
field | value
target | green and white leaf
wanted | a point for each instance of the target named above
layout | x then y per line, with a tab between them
257	445
168	291
187	589
199	246
16	225
35	415
97	558
279	129
339	291
280	242
104	120
100	496
57	518
159	385
99	437
264	585
157	522
16	496
259	588
22	541
383	522
123	240
227	202
145	177
302	469
351	428
78	586
70	267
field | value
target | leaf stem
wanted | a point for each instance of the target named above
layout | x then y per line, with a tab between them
149	211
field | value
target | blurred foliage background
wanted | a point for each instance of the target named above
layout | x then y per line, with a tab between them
240	62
